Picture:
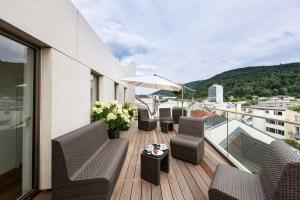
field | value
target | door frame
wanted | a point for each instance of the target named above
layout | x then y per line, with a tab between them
36	111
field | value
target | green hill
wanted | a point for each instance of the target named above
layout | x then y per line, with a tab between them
283	79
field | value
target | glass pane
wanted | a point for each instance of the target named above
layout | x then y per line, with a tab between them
16	115
94	88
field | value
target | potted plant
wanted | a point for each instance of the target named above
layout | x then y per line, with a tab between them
113	114
176	113
128	109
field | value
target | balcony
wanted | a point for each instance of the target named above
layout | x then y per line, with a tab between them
232	138
184	181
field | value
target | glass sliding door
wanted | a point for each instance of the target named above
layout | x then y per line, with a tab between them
17	63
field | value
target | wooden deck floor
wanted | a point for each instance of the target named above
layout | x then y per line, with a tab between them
184	181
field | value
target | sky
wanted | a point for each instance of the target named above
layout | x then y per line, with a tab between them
187	40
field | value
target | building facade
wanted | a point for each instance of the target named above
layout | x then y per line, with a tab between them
278	103
53	66
272	121
215	93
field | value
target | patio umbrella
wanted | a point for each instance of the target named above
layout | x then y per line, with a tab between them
155	82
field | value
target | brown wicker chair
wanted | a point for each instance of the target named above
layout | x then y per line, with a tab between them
279	179
144	121
189	144
86	164
165	114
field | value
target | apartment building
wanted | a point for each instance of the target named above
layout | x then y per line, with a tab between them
215	93
53	66
278	103
272	121
293	130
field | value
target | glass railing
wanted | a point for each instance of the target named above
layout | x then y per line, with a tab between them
244	137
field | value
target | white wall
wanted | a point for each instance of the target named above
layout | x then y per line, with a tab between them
58	24
106	89
71	49
70	95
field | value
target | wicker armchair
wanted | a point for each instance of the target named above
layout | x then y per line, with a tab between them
279	179
189	144
144	121
165	114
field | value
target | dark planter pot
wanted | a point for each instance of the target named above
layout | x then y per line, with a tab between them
125	128
176	115
114	133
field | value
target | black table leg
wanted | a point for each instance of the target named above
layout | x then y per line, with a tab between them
171	127
150	169
164	165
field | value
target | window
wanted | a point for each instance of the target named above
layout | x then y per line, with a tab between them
270	121
278	113
94	88
116	91
281	123
125	91
297	131
267	112
280	132
272	130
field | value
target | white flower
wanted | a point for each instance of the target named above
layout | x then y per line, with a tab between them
125	111
99	110
111	116
114	102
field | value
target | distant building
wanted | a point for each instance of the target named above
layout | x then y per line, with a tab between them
274	121
215	93
278	103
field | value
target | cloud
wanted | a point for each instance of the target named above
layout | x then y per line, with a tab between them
199	39
122	43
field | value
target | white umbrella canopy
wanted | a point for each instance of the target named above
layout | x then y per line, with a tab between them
154	82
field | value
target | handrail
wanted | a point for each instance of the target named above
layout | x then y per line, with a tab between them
247	114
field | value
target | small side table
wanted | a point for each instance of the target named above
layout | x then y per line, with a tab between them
151	166
166	126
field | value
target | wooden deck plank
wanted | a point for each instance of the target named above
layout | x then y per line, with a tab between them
190	180
183	184
198	179
128	182
137	183
146	190
175	188
156	192
131	135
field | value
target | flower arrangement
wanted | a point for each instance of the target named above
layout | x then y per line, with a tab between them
127	106
115	115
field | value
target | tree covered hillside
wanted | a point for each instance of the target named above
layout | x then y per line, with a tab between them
245	82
